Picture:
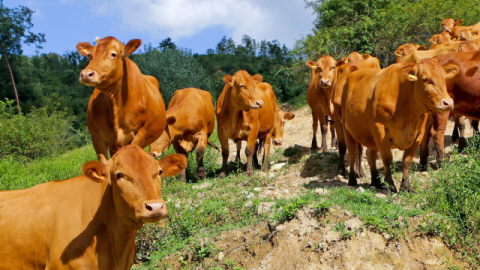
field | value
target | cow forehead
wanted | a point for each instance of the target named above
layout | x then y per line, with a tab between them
326	61
242	77
107	44
429	67
132	159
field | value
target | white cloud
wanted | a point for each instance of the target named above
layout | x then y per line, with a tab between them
285	20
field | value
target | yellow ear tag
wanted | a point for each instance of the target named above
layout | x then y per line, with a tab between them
346	61
475	35
399	55
454	39
314	66
412	76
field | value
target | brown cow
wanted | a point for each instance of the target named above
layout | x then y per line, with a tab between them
190	122
415	57
319	97
126	106
455	29
464	88
436	39
385	109
407	49
342	73
89	221
238	116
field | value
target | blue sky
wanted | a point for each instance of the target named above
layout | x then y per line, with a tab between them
194	24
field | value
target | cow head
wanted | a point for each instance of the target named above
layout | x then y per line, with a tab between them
430	88
136	180
407	49
244	93
467	46
279	125
449	24
106	61
466	34
324	68
354	56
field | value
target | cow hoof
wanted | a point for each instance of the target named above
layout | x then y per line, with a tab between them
201	175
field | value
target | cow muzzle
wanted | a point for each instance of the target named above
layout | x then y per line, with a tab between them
153	211
257	104
277	141
89	77
325	83
446	104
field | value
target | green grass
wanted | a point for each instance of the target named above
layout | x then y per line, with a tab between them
19	175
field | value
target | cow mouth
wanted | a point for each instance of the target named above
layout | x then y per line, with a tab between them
326	85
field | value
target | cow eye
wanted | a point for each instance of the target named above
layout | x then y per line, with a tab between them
114	54
283	123
160	172
424	79
333	67
119	175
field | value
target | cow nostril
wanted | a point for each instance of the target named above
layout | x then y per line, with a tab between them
90	74
149	208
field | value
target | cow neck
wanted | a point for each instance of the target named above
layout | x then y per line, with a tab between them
121	235
119	98
409	102
236	112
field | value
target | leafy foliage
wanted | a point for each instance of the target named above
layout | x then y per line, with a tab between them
174	69
378	27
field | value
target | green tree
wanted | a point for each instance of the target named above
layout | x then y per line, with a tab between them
15	25
167	44
174	69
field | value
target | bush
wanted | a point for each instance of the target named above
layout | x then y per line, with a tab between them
37	134
454	197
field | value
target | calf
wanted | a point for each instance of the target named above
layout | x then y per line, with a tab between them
319	97
190	122
238	116
407	49
89	221
126	106
385	109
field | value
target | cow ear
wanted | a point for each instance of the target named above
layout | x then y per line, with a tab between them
410	74
95	170
257	78
341	62
420	47
451	70
132	46
312	64
172	164
228	79
171	120
84	48
289	116
458	22
102	159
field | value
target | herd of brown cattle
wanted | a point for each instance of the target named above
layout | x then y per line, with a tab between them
90	221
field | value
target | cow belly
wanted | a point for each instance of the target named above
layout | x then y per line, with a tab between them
403	140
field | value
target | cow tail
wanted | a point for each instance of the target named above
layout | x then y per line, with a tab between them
212	145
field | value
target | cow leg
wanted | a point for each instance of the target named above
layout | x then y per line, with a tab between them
202	144
462	141
407	161
179	149
424	151
474	124
342	147
332	132
324	130
256	164
352	153
237	158
315	128
98	144
139	138
382	140
438	134
358	160
372	162
266	152
225	152
250	148
455	134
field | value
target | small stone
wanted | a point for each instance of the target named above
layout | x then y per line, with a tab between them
264	207
387	236
257	189
220	256
320	191
248	204
360	189
380	195
202	186
353	224
277	166
272	175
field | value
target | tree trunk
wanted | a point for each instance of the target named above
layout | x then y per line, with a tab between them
11	75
